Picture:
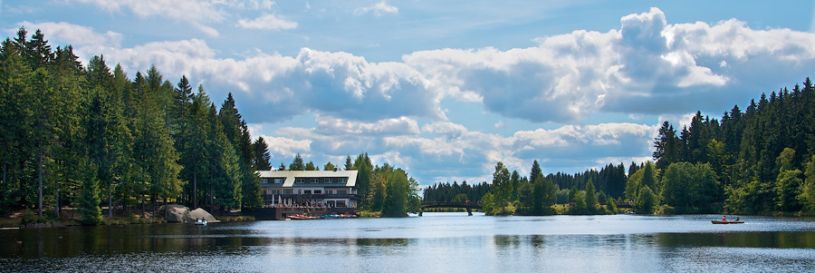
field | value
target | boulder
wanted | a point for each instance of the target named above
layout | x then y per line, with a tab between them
176	213
200	213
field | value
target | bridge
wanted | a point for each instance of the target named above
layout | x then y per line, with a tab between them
469	206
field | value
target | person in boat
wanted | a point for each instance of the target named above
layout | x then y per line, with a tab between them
724	218
737	218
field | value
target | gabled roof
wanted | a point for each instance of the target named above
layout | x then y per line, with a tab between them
290	175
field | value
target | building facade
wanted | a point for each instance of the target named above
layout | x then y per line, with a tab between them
309	189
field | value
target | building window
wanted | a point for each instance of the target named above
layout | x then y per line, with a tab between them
318	191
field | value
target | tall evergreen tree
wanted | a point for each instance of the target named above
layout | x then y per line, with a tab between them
297	164
262	157
397	197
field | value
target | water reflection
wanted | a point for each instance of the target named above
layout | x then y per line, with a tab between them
434	243
738	239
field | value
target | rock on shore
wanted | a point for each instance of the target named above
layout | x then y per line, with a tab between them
182	214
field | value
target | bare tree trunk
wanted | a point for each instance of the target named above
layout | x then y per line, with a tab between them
110	200
194	190
56	207
39	184
5	181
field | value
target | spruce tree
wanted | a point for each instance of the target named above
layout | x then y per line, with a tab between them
89	211
262	157
396	199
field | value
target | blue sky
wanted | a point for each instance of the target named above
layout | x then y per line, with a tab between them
447	88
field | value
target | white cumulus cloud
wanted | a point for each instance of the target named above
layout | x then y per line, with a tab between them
267	22
377	9
197	13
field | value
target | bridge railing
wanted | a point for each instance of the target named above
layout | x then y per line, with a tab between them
450	204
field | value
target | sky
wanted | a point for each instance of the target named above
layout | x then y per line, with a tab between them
445	89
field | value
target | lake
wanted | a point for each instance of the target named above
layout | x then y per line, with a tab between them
437	242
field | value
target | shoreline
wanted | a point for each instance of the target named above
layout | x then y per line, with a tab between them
8	223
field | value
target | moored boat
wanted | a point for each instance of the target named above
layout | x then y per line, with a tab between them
302	217
330	216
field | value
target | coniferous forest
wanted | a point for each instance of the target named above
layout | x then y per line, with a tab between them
88	137
757	161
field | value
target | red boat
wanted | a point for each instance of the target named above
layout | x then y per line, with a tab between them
302	217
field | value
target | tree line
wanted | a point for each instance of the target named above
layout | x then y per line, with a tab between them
455	192
88	136
80	136
757	161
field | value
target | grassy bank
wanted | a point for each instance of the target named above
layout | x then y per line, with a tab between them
369	214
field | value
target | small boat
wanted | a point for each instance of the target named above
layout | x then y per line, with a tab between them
330	216
347	216
717	222
200	222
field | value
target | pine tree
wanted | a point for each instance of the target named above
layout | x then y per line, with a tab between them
89	210
348	164
364	171
591	197
536	171
262	157
311	167
396	199
666	150
297	164
224	188
43	128
198	159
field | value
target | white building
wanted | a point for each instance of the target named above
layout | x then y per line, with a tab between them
319	189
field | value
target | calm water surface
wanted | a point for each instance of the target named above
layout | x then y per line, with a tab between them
437	242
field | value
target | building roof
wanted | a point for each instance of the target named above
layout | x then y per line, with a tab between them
290	175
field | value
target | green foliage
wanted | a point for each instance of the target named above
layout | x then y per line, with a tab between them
297	164
591	198
612	207
754	197
446	192
691	188
398	193
807	196
311	167
149	141
647	175
787	189
580	206
89	211
262	158
364	168
646	200
460	198
378	193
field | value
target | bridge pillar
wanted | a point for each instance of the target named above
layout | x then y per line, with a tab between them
469	211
